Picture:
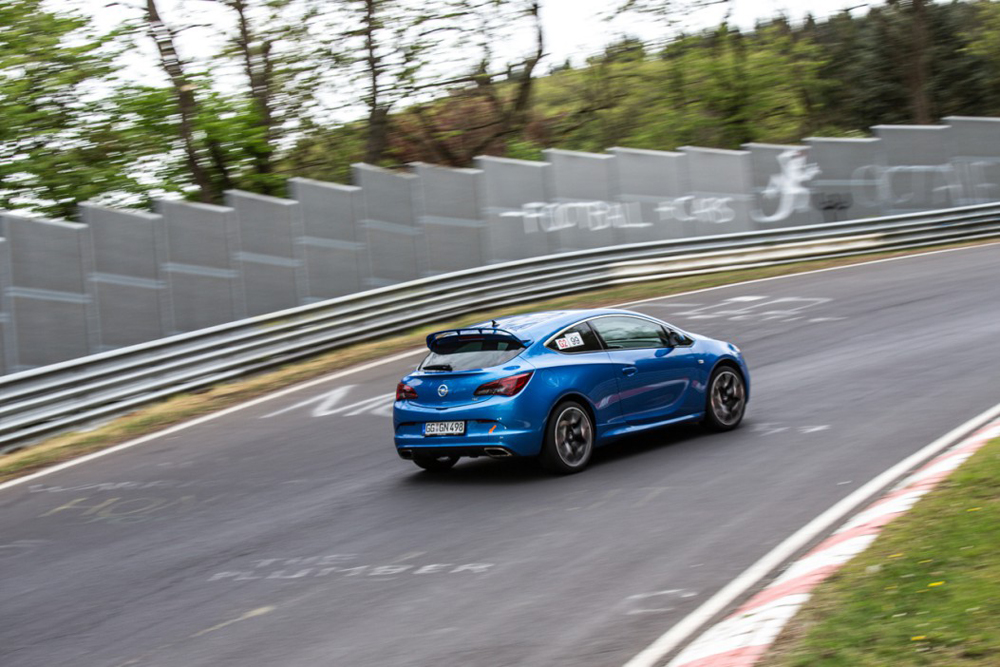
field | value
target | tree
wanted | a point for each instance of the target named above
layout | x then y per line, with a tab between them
488	108
917	58
63	136
286	50
197	158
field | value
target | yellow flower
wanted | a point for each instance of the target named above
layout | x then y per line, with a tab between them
918	638
936	583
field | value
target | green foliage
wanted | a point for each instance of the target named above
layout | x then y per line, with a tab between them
60	139
927	592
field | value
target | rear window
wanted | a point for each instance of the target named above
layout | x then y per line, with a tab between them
466	355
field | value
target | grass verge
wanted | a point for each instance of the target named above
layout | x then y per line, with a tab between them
188	406
927	592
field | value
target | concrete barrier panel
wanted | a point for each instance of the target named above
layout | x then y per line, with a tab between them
653	186
50	311
199	243
125	284
918	173
394	240
7	347
782	176
451	218
975	155
721	194
583	188
269	259
517	208
333	245
850	177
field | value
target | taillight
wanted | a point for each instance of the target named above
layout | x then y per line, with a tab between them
405	392
504	386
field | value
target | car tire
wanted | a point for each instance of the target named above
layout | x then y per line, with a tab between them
725	399
569	439
436	463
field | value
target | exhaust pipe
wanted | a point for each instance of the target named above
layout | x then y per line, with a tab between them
496	452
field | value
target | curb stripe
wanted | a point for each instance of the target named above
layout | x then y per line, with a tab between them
744	637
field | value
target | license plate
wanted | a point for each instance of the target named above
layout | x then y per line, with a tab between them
444	428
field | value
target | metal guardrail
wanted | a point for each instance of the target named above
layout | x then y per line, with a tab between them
55	398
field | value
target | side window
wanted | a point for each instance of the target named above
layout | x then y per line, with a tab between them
578	338
631	333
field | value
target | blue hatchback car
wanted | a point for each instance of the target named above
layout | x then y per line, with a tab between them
555	385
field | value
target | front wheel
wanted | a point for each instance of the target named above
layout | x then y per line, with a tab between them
569	439
436	463
726	401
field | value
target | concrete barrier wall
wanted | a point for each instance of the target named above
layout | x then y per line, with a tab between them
393	237
124	277
7	345
269	261
652	195
200	243
450	217
51	312
125	284
333	245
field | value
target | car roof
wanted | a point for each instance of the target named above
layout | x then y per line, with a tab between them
540	325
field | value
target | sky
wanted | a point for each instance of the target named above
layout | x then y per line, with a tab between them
574	29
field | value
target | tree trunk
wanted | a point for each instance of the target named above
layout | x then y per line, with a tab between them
259	69
919	73
187	104
378	111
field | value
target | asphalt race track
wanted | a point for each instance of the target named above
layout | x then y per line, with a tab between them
299	538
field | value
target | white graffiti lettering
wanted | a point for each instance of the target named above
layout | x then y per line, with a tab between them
789	186
697	209
591	215
919	186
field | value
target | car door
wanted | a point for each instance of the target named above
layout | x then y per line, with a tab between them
654	375
584	365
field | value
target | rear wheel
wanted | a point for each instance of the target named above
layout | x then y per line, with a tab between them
726	401
436	463
569	439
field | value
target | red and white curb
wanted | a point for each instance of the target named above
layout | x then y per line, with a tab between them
744	637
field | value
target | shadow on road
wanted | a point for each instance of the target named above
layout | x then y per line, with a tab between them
643	449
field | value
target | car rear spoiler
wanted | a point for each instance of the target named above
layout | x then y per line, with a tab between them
471	333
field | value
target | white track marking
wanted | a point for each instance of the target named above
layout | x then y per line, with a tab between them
806	273
403	355
684	630
207	418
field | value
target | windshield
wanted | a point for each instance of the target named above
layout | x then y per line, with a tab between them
468	355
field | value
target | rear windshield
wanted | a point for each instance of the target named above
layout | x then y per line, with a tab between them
468	355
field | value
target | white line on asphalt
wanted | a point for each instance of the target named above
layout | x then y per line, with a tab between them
687	628
399	357
209	417
805	273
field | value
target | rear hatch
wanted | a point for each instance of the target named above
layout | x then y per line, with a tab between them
462	360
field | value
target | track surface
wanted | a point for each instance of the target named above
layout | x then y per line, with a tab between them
300	538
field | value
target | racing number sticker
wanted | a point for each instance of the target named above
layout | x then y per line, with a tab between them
569	340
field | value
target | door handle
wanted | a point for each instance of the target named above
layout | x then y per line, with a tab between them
630	370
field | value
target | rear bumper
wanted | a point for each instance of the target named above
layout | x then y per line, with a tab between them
492	451
514	425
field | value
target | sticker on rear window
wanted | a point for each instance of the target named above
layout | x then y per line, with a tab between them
569	340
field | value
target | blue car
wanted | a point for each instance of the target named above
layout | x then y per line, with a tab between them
555	385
